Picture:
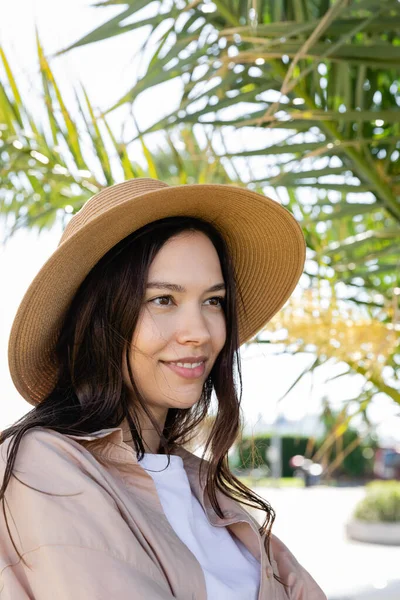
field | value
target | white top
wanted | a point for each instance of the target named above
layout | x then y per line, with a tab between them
230	571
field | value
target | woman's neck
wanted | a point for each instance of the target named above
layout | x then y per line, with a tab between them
150	438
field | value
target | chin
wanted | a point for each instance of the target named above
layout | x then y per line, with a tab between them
183	402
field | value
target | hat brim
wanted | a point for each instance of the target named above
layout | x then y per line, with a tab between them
265	241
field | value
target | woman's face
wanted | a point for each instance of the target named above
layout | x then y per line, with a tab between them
181	328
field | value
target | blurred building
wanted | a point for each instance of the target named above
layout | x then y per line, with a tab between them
309	426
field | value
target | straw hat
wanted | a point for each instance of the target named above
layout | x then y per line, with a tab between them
265	241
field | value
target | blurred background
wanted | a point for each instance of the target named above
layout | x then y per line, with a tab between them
297	99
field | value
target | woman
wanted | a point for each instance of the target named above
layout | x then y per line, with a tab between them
119	343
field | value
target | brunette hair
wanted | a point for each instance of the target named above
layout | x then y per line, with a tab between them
90	393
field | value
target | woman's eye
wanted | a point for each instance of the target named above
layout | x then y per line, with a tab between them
161	301
216	301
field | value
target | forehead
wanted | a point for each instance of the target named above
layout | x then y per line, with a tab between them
187	252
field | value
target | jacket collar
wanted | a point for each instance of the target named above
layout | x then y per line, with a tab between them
115	436
110	442
109	445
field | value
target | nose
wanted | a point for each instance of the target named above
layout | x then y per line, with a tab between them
193	327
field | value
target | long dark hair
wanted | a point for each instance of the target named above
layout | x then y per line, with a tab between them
90	393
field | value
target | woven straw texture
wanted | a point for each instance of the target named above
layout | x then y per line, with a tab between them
265	241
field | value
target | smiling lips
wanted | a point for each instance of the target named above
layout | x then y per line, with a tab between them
188	365
188	368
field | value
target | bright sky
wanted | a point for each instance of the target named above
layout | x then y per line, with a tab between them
106	71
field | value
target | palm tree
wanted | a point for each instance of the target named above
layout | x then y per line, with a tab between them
315	84
51	165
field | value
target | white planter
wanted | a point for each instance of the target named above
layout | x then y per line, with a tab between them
374	533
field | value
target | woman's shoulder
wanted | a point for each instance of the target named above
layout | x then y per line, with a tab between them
51	493
43	453
36	441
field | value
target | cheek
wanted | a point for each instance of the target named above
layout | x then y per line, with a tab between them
149	335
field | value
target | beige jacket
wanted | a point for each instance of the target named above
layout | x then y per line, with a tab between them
109	538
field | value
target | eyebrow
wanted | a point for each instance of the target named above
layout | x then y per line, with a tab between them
174	287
